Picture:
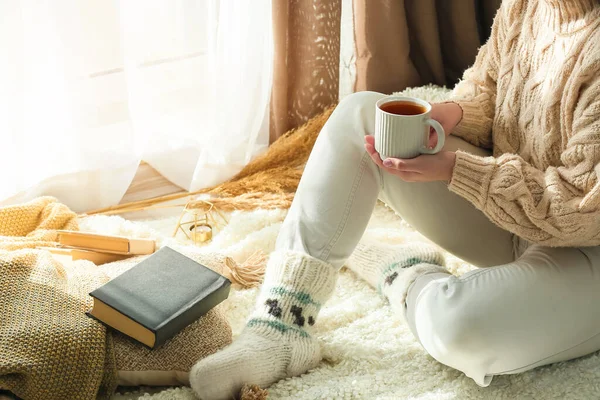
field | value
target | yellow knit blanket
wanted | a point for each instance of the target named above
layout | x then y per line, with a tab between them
49	349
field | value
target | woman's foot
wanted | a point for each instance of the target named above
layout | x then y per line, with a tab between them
391	269
277	341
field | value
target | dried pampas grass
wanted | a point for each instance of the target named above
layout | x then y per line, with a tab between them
243	202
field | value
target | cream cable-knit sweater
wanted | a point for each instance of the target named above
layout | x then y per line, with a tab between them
533	95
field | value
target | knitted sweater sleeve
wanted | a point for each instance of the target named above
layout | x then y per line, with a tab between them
556	207
476	92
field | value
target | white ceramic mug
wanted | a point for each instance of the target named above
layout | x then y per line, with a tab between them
405	136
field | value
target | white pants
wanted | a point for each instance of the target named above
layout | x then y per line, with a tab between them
526	306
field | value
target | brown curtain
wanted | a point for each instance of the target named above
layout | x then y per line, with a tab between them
306	66
402	43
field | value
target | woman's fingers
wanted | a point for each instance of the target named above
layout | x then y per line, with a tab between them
409	170
374	155
417	164
394	163
433	138
370	147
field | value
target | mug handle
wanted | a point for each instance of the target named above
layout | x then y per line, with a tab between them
441	136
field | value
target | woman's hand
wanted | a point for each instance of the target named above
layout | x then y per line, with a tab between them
447	114
425	168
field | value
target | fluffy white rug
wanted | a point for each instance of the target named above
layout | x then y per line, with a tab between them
368	352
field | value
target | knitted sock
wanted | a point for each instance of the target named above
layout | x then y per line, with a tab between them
276	342
393	269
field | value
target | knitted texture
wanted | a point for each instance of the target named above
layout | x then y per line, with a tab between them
49	349
277	341
393	269
533	95
34	224
170	363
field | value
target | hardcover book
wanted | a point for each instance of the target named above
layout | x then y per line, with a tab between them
65	254
105	243
159	297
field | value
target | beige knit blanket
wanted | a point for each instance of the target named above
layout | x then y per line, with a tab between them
49	348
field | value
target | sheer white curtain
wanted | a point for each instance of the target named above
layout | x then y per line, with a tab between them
88	89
